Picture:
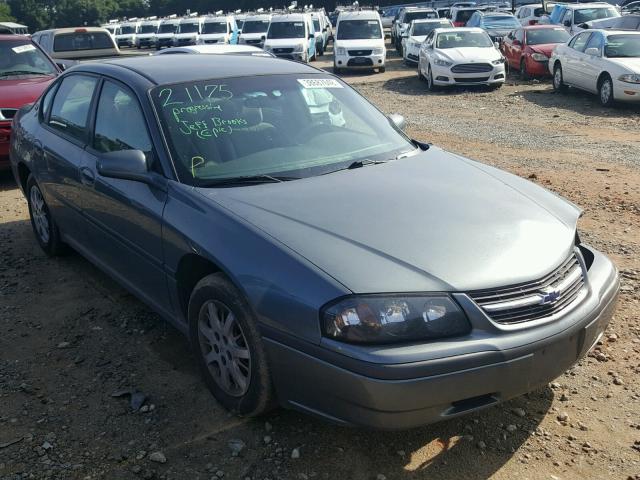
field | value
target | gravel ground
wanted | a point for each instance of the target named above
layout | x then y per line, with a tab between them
75	346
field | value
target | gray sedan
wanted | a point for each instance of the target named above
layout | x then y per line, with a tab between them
315	256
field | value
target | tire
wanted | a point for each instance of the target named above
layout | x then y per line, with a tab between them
524	75
382	69
44	226
558	79
432	87
337	70
228	348
496	86
605	91
420	75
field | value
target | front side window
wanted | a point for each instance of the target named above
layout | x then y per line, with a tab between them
214	27
286	30
77	41
580	42
20	58
120	124
70	109
463	39
596	41
284	125
316	25
359	29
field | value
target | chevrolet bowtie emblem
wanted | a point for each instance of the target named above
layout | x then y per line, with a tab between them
549	296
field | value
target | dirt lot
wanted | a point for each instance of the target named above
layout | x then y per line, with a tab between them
70	337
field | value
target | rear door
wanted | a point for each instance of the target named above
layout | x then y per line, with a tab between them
63	138
124	217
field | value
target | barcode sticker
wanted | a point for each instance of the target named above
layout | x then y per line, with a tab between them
23	48
319	83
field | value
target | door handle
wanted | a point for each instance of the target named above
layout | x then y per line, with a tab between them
87	176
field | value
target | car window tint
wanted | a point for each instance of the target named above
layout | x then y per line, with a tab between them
71	104
580	42
520	36
595	42
120	124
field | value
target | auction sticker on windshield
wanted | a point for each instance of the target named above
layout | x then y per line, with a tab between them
319	83
23	48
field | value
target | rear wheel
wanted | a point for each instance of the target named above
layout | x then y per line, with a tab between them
558	79
605	91
44	226
228	348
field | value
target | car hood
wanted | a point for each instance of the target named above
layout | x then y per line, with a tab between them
632	64
418	38
284	42
362	44
470	53
432	222
17	92
545	49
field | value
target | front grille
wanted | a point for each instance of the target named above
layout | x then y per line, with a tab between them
253	42
360	53
288	56
360	62
282	50
7	113
471	79
413	57
533	300
471	68
210	41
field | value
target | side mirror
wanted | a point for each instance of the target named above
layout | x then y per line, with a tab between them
61	66
124	164
567	23
311	36
593	51
263	38
239	32
398	120
497	45
516	43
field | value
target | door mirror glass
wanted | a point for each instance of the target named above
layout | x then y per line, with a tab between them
398	120
125	165
593	51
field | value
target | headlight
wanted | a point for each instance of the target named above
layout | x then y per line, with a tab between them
298	48
378	51
630	78
498	62
341	51
539	57
392	319
442	63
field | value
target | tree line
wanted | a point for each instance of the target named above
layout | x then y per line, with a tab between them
43	14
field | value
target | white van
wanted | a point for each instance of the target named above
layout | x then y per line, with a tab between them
189	30
292	36
126	34
218	29
166	32
254	28
359	41
146	36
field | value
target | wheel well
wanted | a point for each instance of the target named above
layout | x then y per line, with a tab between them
556	65
602	76
191	269
23	173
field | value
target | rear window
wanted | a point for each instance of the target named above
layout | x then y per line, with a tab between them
464	15
411	16
75	41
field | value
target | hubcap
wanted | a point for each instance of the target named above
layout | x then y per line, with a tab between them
605	91
39	214
224	348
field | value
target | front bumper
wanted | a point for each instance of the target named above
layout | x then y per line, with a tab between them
535	68
125	42
498	365
164	42
443	76
626	92
359	62
411	54
297	56
5	143
146	42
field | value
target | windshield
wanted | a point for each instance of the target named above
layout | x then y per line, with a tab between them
127	30
411	16
547	35
279	125
500	22
148	29
188	28
72	42
255	26
424	28
286	30
622	46
464	15
588	14
359	29
214	27
168	28
463	39
20	58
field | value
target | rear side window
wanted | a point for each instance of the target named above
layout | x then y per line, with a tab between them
70	109
71	42
120	124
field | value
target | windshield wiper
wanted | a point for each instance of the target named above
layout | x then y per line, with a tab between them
357	164
248	180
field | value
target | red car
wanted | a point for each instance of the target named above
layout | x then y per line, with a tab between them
25	72
528	49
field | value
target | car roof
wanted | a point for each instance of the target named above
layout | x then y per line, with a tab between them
608	32
576	6
57	31
458	29
549	26
12	37
166	69
429	20
495	13
288	17
370	14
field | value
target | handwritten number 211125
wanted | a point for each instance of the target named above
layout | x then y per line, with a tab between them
195	94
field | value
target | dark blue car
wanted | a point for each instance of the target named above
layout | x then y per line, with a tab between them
315	256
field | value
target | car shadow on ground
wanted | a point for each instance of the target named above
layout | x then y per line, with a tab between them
415	86
7	182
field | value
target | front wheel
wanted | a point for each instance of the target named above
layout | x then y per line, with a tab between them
228	348
382	69
44	226
558	79
605	91
524	74
430	83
